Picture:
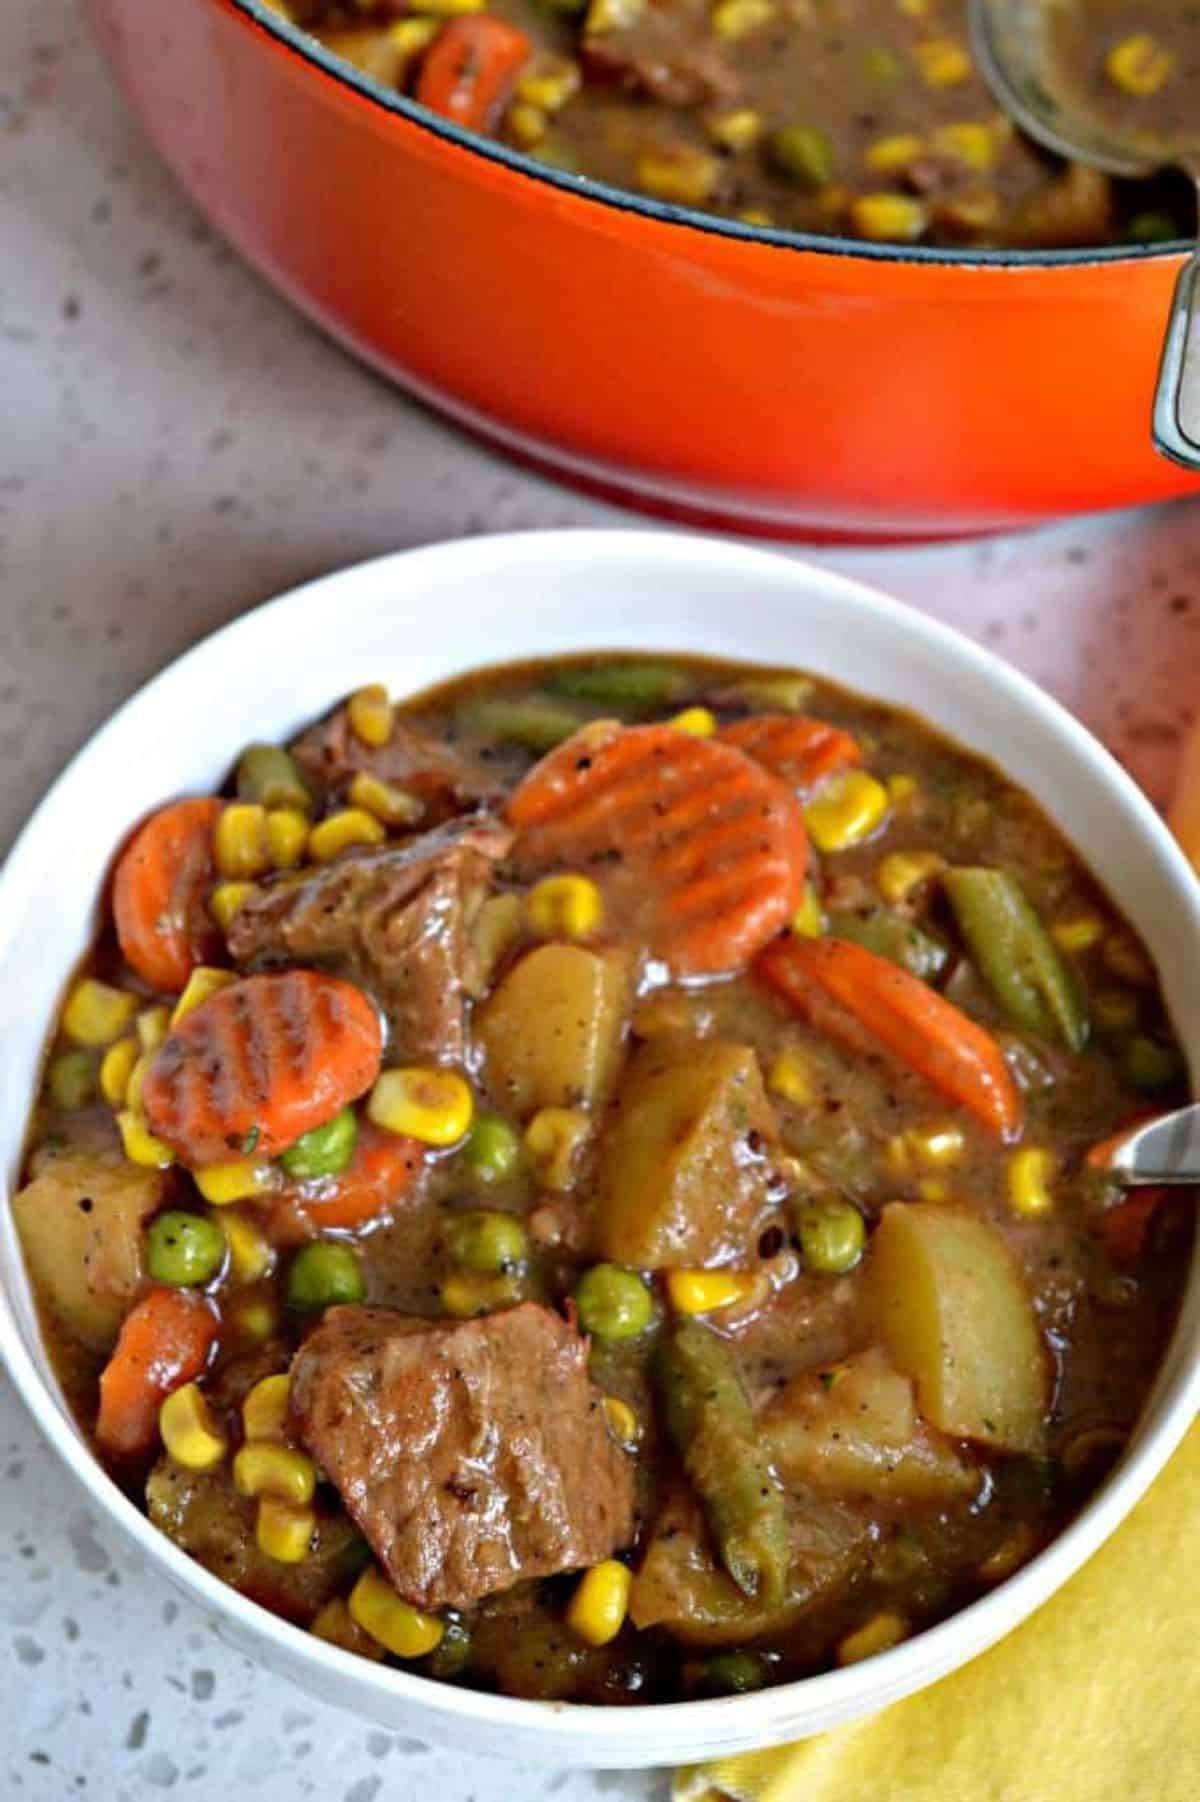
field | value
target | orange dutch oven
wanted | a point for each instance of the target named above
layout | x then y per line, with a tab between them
759	379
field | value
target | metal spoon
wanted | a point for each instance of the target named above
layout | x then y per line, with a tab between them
1164	1151
1012	48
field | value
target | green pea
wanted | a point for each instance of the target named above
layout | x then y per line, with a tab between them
613	1303
323	1151
1152	228
453	1651
71	1080
486	1241
322	1275
831	1234
1151	1066
804	153
734	1673
881	64
268	774
183	1249
493	1148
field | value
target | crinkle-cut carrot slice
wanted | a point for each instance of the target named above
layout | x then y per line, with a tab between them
800	751
160	893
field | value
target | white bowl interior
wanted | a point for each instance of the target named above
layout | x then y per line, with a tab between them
416	618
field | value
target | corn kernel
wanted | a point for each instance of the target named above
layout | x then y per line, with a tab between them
352	826
888	218
238	1180
931	1189
972	144
435	1106
96	1013
1030	1171
190	1430
847	809
700	722
887	156
924	1148
133	1089
139	1143
262	1468
1115	1010
913	9
283	1532
228	898
943	62
596	1611
976	211
880	1634
757	215
808	922
903	871
410	36
791	1077
1126	959
736	131
116	1067
379	1611
254	1318
612	15
251	1254
1013	1551
153	1024
565	907
705	1291
622	1421
738	19
1078	934
240	841
203	983
287	837
548	82
553	1140
680	172
448	9
265	1408
371	715
394	806
904	791
1139	65
525	125
333	1624
466	1293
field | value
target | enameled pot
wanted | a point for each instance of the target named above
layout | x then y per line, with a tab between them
762	380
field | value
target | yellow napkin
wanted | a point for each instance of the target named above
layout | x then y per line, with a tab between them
1096	1698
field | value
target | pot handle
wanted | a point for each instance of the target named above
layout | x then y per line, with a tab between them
1176	425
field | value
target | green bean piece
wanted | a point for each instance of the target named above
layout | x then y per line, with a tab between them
1150	1065
1016	956
613	1303
734	1673
708	1417
486	1241
832	1234
322	1275
534	725
803	153
323	1151
775	694
269	774
890	935
640	686
493	1148
71	1080
183	1249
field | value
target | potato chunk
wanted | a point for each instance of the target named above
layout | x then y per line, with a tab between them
554	1029
853	1429
955	1316
80	1225
682	1176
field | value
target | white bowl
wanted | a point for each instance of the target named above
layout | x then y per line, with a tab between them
411	620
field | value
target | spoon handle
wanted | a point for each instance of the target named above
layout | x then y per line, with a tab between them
1177	397
1166	1150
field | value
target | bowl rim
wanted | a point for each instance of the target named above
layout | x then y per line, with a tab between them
838	1694
604	195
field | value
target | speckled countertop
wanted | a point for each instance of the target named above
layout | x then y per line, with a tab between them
174	446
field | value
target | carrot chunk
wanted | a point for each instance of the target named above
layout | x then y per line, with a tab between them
872	1004
692	843
165	1341
470	69
1124	1229
259	1063
382	1171
160	892
801	752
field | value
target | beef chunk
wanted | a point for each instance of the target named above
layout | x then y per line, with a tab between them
666	53
396	921
444	779
472	1454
